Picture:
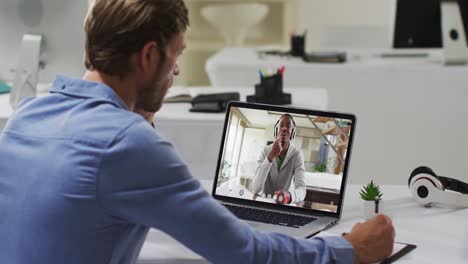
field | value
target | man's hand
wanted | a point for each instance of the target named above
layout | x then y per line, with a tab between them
275	149
146	115
282	197
372	240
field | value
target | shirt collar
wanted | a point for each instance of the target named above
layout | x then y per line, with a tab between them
86	89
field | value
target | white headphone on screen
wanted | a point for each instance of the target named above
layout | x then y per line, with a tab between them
428	188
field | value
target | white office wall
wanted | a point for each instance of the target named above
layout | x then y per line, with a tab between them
349	18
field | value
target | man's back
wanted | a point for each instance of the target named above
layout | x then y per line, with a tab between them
50	153
82	180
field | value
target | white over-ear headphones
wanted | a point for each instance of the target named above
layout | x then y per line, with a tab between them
293	131
428	188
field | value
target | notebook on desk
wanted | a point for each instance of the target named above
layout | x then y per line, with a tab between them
314	142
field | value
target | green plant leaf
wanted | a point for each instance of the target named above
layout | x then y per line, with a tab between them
321	167
370	192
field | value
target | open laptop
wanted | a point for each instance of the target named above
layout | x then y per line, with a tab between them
315	183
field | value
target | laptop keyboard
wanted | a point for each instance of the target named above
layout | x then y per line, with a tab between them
269	217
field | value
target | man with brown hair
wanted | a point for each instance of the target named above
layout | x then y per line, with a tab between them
83	177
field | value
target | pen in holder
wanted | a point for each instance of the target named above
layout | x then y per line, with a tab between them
298	45
270	90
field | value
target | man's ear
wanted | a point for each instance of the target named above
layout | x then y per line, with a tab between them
148	57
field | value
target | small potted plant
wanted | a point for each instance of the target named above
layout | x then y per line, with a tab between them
372	200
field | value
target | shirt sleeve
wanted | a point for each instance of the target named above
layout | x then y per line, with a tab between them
142	180
299	192
261	172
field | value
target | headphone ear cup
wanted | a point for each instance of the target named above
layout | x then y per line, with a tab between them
419	170
275	129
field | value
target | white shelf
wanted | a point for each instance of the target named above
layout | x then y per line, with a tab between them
203	40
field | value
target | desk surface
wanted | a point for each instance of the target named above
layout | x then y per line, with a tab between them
306	97
441	234
239	66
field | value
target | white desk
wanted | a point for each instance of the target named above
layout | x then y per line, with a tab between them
239	67
441	234
195	133
410	112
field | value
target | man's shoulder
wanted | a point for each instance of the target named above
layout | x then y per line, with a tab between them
93	121
295	150
109	124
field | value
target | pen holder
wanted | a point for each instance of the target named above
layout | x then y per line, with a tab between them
270	91
298	45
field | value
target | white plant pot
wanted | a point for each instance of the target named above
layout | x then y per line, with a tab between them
371	208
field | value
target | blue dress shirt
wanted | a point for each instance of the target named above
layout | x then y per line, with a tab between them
82	179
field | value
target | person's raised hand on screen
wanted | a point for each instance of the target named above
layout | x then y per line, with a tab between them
275	149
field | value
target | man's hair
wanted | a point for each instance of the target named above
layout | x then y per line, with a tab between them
115	29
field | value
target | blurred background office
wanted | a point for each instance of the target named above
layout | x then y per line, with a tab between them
327	22
410	106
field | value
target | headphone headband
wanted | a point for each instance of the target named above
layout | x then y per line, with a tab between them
454	185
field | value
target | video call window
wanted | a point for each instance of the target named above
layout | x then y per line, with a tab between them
310	169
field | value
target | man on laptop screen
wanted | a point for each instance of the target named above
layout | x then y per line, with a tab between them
301	162
279	164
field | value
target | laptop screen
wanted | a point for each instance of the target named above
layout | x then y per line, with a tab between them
285	157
